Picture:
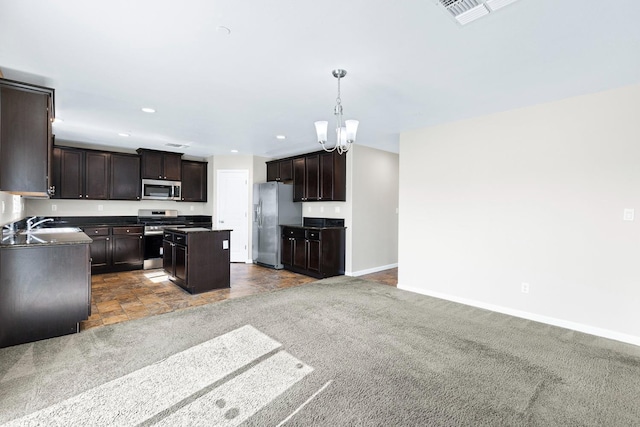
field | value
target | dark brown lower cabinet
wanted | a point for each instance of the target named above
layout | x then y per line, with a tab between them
45	291
316	252
118	248
197	259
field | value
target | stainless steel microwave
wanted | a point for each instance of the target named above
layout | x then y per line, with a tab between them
155	189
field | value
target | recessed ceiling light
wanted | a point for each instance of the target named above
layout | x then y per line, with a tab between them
281	137
148	110
234	151
124	134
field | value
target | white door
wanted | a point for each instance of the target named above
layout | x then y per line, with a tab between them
232	189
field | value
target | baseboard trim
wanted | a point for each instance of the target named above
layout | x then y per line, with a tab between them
580	327
370	270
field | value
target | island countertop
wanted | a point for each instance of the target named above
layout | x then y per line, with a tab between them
195	229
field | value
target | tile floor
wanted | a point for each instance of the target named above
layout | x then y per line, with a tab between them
119	297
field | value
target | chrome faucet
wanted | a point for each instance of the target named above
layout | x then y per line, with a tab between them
31	225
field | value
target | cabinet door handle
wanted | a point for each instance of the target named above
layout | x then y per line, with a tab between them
141	237
106	238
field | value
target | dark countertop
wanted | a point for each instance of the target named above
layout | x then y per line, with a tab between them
305	227
196	229
114	221
48	239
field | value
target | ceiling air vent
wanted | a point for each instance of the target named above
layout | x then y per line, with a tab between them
465	11
171	144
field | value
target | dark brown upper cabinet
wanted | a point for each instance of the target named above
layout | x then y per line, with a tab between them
125	177
161	165
280	170
26	112
194	181
81	174
333	177
306	178
320	176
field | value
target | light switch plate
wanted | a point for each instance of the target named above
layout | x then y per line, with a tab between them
628	214
225	244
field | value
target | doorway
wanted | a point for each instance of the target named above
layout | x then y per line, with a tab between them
232	190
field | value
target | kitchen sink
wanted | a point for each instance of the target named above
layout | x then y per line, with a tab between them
52	230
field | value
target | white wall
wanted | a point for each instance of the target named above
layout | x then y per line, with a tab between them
375	204
11	208
531	195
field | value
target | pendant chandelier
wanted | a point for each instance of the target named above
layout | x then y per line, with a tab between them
345	130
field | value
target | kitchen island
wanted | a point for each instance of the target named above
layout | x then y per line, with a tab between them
196	258
45	285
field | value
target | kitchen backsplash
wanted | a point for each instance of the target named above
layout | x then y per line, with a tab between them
60	207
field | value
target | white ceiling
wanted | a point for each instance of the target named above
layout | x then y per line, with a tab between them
409	64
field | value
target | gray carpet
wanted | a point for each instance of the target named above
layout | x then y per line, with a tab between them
341	351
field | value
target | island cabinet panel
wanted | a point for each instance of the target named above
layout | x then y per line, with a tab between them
315	252
197	259
194	181
125	181
26	139
45	291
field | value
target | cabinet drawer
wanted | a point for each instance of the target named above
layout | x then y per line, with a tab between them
96	231
180	239
167	236
293	233
313	235
127	230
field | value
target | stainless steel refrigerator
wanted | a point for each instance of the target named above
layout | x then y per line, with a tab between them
272	206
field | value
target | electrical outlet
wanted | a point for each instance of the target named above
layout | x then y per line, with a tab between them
54	208
321	209
628	215
524	288
337	209
100	208
192	208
